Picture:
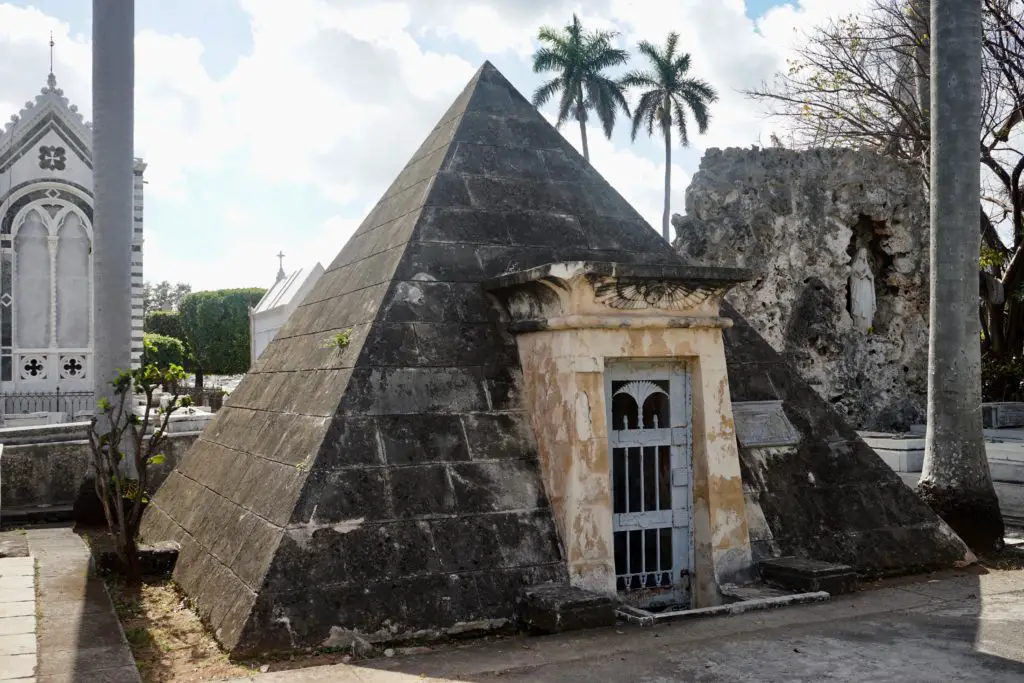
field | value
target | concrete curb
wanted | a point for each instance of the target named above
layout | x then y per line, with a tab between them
641	617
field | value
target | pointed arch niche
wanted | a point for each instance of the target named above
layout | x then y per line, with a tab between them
32	281
74	285
46	278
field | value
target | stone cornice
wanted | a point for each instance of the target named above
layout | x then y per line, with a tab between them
600	294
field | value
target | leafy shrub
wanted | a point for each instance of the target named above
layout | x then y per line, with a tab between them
163	351
167	323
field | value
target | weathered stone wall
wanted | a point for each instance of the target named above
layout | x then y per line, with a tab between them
50	471
797	219
829	496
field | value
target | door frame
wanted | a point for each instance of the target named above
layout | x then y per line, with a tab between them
679	437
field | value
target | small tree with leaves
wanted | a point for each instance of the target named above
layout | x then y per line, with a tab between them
130	439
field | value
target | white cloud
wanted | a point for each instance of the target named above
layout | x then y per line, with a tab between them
335	95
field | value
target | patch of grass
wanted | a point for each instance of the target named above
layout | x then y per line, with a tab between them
138	637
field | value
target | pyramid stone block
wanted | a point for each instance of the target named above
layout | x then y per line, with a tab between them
389	488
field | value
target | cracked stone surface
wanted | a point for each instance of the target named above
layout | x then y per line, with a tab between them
797	218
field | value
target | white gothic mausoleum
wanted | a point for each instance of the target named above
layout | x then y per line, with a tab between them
267	317
46	265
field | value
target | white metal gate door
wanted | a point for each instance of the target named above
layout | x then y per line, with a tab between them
650	441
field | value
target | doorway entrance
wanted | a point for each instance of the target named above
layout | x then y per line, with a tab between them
650	439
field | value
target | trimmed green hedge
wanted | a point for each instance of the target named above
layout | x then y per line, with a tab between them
216	329
167	323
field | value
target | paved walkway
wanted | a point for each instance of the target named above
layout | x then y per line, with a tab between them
17	619
966	628
80	638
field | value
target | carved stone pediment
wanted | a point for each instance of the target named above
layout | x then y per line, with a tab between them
536	297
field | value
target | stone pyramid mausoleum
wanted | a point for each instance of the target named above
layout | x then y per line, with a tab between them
427	433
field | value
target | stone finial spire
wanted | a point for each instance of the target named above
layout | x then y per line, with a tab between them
280	267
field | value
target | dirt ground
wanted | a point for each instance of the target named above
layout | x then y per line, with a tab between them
168	640
171	643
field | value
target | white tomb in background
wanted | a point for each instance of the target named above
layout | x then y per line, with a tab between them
46	264
267	317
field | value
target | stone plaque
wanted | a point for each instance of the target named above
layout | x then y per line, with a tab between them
763	424
1007	414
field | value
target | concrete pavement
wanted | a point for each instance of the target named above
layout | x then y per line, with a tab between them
961	627
80	637
17	619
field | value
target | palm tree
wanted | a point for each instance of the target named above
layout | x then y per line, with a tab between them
668	93
955	479
579	57
113	91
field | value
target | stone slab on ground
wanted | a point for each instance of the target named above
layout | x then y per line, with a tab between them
801	574
557	608
80	638
957	626
17	619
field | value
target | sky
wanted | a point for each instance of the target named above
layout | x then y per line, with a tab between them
275	126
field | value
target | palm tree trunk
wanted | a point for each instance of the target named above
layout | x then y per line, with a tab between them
667	132
955	480
583	135
581	116
113	85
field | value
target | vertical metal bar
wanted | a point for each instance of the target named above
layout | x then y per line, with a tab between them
643	557
629	559
643	498
625	479
657	478
661	570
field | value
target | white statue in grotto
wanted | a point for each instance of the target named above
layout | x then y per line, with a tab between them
862	291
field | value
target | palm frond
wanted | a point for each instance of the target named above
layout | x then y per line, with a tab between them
697	95
546	59
544	93
566	105
671	42
700	88
639	79
605	97
607	57
649	50
680	121
651	118
647	104
682	64
552	35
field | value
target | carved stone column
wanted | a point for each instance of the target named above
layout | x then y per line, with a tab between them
52	242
